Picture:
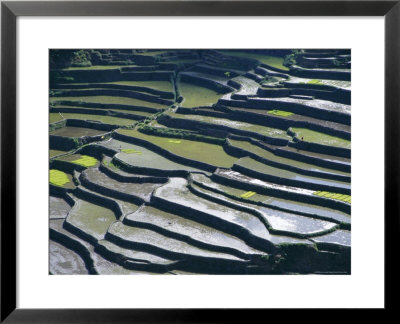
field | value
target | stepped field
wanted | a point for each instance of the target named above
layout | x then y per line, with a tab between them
200	162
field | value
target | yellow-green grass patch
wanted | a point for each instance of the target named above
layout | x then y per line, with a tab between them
331	195
204	152
86	161
131	151
280	113
248	194
321	138
174	141
315	81
58	178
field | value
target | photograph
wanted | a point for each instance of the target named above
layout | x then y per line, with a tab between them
199	161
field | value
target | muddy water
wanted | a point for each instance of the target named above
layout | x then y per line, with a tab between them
189	228
321	138
168	244
101	265
289	205
70	131
98	118
266	169
146	158
272	157
64	261
138	256
176	191
58	207
317	155
338	237
212	154
142	190
249	86
90	218
263	130
110	100
158	85
196	96
333	83
295	117
295	223
314	103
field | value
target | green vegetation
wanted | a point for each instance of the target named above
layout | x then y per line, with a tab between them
248	194
332	195
58	178
110	164
197	96
320	138
203	152
131	151
168	154
86	161
280	113
55	117
178	133
315	81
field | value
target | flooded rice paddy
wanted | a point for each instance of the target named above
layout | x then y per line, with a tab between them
186	178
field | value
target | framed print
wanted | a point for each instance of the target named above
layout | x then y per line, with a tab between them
195	152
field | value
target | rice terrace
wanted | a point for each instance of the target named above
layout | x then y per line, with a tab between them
200	161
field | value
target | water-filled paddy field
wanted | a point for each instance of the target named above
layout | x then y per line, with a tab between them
103	119
109	100
71	131
258	129
197	96
274	61
145	181
204	152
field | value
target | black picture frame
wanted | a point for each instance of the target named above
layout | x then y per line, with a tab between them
10	10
